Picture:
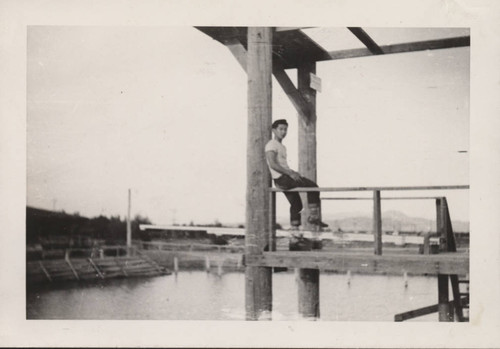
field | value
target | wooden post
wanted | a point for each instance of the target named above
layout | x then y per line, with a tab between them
451	246
308	290
219	267
445	308
307	132
207	264
129	228
272	221
176	265
308	279
377	222
440	225
258	282
427	243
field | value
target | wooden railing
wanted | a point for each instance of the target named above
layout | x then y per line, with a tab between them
445	307
377	215
190	247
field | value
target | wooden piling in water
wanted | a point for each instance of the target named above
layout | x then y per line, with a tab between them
377	222
308	279
445	308
219	267
207	264
258	280
176	265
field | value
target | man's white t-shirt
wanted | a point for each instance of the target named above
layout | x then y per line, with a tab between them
280	149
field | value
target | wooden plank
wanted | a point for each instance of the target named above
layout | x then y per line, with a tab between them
452	263
295	47
377	222
416	313
95	268
47	275
366	40
258	282
384	198
72	268
334	189
419	312
462	41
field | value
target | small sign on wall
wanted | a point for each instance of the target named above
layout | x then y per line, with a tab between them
315	82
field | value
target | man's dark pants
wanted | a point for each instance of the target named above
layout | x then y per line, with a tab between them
286	182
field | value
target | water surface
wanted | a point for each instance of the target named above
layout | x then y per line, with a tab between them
197	295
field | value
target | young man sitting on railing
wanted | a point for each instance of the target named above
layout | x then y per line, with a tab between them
285	179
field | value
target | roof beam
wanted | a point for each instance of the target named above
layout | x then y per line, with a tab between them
238	50
461	41
291	91
366	40
240	53
284	29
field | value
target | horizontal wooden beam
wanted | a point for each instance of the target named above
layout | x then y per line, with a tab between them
366	40
331	189
388	198
284	29
462	41
365	262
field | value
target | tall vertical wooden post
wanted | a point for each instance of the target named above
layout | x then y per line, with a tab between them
258	280
377	222
129	227
444	309
308	279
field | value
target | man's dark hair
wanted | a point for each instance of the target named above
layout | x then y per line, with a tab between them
279	122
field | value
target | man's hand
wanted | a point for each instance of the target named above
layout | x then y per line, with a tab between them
295	176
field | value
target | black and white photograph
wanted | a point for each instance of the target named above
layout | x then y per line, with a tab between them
303	176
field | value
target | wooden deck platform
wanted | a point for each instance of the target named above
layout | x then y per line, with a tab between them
443	263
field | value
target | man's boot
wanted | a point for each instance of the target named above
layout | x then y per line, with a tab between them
314	217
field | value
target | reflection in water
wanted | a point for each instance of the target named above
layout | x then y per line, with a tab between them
198	295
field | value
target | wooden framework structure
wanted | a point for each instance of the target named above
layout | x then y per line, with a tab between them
264	52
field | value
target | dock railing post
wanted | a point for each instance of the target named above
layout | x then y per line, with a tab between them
377	222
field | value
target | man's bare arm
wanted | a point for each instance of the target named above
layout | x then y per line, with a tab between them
272	158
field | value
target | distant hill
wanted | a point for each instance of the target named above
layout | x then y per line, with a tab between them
391	220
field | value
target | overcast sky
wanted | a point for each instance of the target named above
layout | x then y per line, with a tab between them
163	111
